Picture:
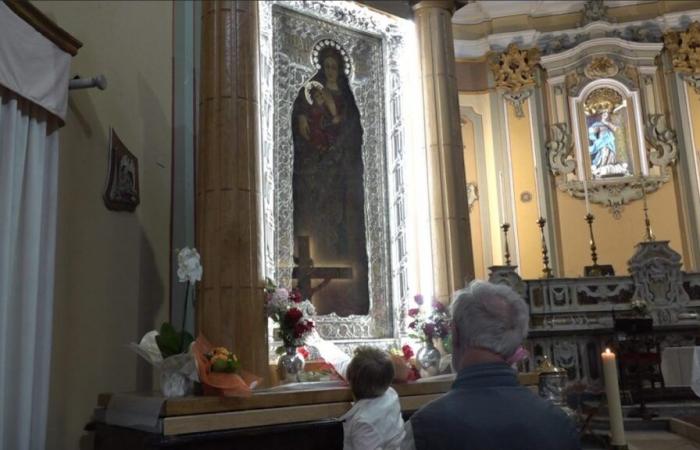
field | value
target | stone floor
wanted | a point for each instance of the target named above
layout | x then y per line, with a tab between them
659	440
651	440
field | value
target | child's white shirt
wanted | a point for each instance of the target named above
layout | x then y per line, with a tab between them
374	424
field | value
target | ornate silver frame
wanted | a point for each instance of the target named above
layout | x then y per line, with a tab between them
284	66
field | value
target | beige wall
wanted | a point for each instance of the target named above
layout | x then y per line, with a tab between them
112	267
615	238
523	173
470	170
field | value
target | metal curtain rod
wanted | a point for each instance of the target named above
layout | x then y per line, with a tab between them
99	82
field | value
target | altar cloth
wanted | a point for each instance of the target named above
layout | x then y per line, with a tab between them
680	367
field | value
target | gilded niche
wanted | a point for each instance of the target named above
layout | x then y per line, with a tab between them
513	69
684	48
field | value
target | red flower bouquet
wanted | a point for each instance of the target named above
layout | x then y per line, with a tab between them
428	325
290	313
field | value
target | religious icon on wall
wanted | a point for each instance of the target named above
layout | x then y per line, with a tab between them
122	188
607	126
327	182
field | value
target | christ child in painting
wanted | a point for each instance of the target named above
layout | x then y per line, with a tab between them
322	118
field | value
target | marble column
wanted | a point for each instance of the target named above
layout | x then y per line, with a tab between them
230	297
453	263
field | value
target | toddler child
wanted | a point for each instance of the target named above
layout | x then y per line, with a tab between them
374	422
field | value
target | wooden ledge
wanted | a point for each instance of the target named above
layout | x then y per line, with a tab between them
192	405
47	27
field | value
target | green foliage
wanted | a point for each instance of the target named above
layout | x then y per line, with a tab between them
172	342
226	365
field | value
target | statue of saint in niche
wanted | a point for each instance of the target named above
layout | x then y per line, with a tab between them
606	120
328	188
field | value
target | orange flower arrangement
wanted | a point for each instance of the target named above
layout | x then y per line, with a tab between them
220	371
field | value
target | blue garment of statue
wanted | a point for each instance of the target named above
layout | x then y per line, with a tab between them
602	136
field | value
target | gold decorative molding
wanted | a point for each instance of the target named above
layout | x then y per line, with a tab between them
514	75
601	67
47	27
684	49
513	69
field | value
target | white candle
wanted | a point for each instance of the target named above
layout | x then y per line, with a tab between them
612	392
501	200
585	192
537	194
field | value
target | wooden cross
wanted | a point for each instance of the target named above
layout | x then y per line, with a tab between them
305	271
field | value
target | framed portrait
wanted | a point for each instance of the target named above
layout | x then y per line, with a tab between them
608	131
122	186
333	150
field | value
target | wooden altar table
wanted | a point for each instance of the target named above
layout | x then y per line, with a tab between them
267	420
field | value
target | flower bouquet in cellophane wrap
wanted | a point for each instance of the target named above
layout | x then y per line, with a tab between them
169	350
220	371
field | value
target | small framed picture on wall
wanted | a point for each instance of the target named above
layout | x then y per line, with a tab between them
122	187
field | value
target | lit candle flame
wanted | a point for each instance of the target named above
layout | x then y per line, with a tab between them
607	351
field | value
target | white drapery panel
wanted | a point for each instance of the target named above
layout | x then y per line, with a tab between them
32	65
28	185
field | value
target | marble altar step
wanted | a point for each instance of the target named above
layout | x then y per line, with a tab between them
665	410
647	440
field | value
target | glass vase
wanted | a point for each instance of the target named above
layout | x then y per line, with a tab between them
428	360
290	365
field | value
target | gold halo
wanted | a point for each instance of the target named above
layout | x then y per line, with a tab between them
602	99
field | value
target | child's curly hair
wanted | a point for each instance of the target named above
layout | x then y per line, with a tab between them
370	372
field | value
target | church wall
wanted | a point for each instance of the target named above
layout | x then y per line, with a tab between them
615	238
112	269
477	105
523	181
694	113
475	228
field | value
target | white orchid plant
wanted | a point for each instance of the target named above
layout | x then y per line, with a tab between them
189	270
168	349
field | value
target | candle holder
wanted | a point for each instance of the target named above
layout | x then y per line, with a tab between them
649	234
595	270
552	385
506	256
546	270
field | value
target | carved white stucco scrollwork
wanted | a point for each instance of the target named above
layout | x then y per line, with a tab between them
472	195
560	149
517	100
566	355
594	11
658	280
614	195
662	140
508	276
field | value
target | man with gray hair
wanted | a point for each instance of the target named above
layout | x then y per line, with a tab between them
487	409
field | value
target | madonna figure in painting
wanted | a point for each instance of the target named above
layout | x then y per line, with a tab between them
602	137
606	146
328	188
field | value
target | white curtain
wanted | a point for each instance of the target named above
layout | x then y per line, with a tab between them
28	184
